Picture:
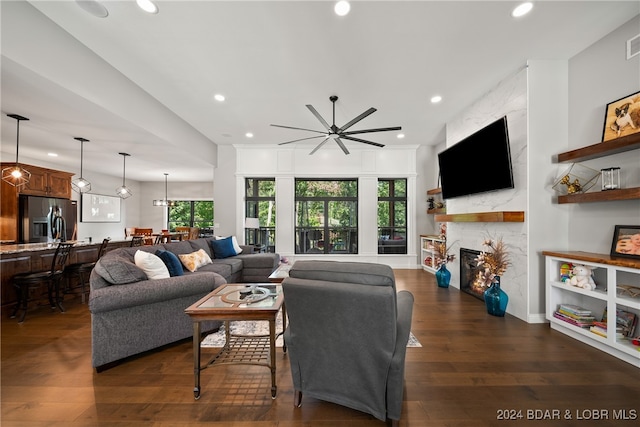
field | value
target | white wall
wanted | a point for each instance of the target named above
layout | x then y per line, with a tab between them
599	75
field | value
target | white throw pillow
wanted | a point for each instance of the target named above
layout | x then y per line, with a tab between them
151	264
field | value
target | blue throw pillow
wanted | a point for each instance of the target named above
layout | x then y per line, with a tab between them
172	262
223	248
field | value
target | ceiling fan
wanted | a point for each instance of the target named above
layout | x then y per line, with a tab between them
337	133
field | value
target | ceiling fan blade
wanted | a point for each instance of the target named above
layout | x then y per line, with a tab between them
291	127
319	145
362	140
353	132
357	119
341	144
301	139
319	117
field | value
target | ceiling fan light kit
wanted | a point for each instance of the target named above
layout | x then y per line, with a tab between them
338	133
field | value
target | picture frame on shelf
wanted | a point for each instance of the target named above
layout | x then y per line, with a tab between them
626	241
622	117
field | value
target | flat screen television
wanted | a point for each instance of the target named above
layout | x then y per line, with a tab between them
481	162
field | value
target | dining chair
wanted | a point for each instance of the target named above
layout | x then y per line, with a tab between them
26	282
146	233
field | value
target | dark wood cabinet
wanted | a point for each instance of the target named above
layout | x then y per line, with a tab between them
43	182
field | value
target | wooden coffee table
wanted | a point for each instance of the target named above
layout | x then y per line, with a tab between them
240	301
280	273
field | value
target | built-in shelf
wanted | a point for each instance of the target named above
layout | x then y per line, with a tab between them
601	149
595	258
434	191
499	216
601	196
437	211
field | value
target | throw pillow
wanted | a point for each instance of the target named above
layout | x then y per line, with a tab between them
172	262
236	246
195	260
118	270
152	265
223	248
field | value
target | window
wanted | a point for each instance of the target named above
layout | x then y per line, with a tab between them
260	202
392	216
192	213
326	216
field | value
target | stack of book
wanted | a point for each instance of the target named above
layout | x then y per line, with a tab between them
575	315
626	323
600	328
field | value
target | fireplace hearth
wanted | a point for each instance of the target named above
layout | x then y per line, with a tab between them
470	273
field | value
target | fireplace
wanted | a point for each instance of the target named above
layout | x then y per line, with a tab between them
469	272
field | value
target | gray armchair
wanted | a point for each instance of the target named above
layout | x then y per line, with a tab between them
347	335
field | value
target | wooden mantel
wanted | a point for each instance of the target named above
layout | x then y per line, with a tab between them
498	216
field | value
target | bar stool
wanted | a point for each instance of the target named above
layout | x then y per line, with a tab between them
25	282
82	270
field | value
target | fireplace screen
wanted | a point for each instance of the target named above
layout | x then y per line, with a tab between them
471	280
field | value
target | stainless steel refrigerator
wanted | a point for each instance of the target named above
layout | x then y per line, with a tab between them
47	219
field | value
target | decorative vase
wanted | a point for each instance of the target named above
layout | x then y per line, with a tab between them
496	299
443	276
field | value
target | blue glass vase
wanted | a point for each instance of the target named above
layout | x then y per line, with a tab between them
496	299
443	276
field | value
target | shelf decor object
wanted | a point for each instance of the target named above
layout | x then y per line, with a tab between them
577	179
626	241
622	117
610	178
80	184
16	175
123	191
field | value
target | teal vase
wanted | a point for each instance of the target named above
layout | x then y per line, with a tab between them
443	276
496	299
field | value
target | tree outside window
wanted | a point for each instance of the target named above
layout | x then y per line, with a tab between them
326	216
392	216
260	202
191	213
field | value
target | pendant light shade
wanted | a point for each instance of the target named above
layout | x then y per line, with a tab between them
165	201
124	192
16	175
81	185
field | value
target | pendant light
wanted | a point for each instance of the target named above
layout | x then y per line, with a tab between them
165	201
81	185
124	192
16	175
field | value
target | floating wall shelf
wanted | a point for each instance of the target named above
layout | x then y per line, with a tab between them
601	149
601	196
499	216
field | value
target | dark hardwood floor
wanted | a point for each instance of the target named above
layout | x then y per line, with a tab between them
472	369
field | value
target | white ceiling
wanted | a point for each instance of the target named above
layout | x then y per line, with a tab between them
144	84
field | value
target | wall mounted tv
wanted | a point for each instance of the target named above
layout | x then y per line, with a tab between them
479	163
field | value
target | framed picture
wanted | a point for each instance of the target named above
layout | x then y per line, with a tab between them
99	208
622	117
626	241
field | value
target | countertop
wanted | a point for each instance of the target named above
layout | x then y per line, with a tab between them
33	247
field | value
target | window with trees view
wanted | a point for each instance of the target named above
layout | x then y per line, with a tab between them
326	216
392	216
191	213
260	202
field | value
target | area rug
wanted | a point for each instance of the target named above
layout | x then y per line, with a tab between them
261	327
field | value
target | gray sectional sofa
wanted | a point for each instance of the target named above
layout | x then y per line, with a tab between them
131	314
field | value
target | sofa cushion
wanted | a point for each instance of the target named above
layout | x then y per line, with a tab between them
151	264
348	272
117	270
195	260
223	248
172	262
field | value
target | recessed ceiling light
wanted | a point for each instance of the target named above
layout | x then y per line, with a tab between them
522	9
342	8
52	155
147	5
218	97
435	99
93	7
248	135
400	135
